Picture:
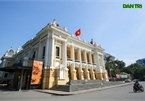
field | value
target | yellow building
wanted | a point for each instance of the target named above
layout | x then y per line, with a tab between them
64	56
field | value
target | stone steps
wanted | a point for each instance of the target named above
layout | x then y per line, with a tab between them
76	85
61	88
73	82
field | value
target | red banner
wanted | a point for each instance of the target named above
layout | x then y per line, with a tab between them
118	75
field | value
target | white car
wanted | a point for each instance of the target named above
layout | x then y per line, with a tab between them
127	80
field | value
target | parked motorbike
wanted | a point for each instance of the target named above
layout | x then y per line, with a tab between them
140	88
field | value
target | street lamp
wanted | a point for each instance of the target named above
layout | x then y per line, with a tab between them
110	73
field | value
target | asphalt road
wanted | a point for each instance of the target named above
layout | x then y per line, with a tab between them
124	93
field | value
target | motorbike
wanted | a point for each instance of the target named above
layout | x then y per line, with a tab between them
140	88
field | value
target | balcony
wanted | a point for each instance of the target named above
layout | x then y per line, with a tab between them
57	57
83	61
89	62
69	59
77	60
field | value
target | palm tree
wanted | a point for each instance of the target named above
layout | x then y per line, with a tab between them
108	64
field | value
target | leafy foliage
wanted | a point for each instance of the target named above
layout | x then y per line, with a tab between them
136	71
113	66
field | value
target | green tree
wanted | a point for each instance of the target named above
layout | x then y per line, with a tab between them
108	65
118	66
113	66
140	73
136	71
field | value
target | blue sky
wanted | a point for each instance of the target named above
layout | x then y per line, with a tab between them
121	32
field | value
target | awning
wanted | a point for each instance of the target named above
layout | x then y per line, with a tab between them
13	69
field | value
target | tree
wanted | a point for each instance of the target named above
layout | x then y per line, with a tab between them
119	65
136	71
113	66
108	64
140	73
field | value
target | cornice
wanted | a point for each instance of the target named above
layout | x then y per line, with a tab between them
60	30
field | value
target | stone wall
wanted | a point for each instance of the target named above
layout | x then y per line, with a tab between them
89	84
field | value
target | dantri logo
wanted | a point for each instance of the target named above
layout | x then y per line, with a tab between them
132	5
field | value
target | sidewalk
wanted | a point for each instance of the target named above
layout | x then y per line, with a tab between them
62	93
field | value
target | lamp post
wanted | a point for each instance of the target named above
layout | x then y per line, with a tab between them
110	73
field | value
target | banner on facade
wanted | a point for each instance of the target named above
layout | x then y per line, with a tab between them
118	76
36	72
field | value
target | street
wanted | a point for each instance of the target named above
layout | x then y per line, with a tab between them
124	93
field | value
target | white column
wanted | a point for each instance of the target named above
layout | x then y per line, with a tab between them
102	57
51	52
88	74
97	60
87	68
90	57
80	58
73	57
46	54
54	57
64	57
85	56
82	76
92	69
73	66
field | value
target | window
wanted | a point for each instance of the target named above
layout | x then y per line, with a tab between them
43	54
6	75
33	57
57	52
61	73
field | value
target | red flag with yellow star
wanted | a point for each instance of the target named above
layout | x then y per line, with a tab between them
78	32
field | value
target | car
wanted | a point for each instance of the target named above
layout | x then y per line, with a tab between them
135	80
127	80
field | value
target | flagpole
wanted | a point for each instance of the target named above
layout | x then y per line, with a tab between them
80	35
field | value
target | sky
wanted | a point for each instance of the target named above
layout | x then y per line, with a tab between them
120	31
